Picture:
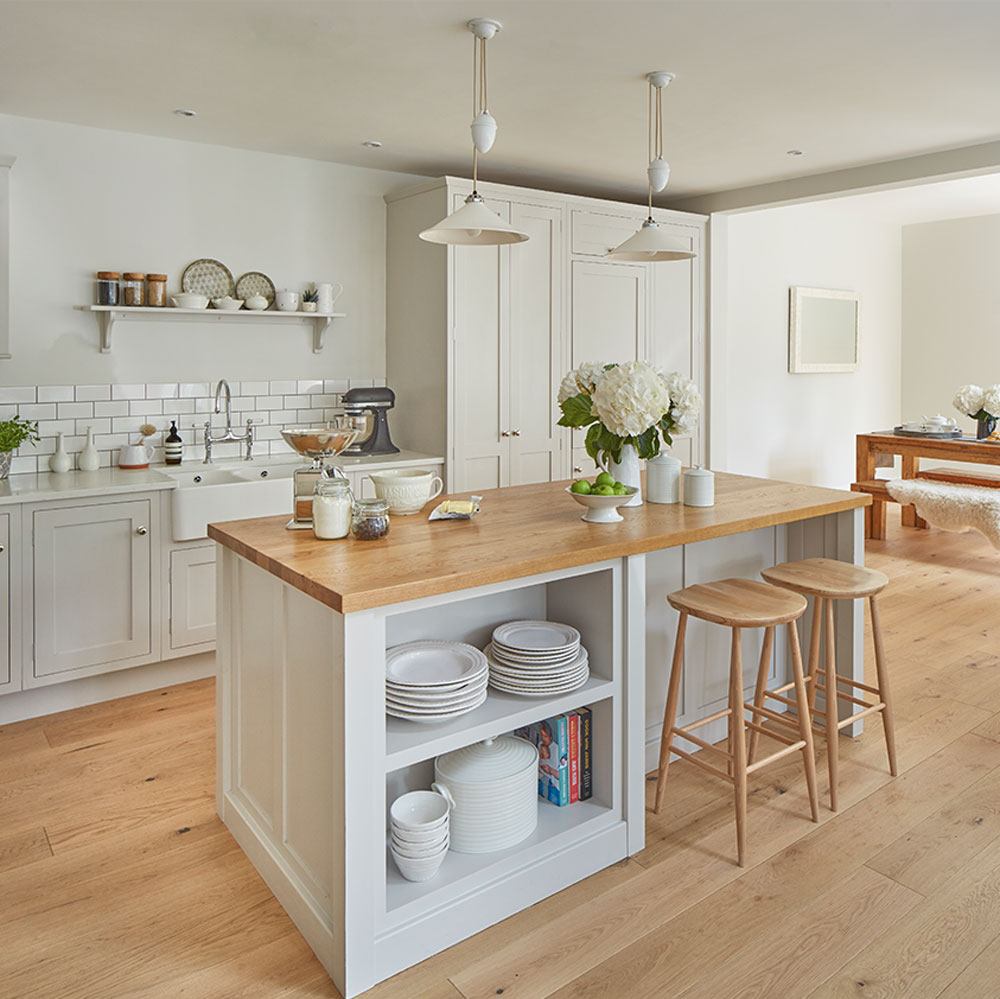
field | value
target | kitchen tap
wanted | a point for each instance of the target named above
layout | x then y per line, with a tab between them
248	436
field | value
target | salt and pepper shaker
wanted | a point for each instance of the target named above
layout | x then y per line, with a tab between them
663	479
699	487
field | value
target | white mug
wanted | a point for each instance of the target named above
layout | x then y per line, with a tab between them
406	489
327	296
135	456
286	301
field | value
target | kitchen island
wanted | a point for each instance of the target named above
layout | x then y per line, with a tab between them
308	762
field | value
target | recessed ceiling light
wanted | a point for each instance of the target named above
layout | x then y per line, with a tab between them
372	143
185	112
794	152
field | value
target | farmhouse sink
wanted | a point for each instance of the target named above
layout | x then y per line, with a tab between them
208	493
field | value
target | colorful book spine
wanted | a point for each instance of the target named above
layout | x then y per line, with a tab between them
586	741
559	789
574	756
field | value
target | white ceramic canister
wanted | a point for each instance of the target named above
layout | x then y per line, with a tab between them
286	301
493	787
663	479
699	487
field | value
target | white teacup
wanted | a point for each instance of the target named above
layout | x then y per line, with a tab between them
406	489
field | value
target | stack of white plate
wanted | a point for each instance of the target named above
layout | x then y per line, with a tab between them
433	681
537	658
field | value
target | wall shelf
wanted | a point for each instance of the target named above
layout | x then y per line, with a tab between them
109	315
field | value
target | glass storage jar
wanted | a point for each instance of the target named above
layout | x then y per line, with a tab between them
371	519
332	507
132	288
156	290
107	287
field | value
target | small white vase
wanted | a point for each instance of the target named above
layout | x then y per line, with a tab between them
59	460
626	472
663	479
89	460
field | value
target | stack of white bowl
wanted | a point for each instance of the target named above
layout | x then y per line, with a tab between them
431	681
492	787
419	827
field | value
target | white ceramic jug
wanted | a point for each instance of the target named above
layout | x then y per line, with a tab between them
135	456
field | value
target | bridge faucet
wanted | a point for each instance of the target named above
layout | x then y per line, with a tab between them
248	436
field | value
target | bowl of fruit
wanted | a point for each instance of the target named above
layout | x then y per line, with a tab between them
602	497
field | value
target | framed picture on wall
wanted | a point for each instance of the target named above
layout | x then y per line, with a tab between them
824	330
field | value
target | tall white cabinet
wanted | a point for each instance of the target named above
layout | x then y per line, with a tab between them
479	338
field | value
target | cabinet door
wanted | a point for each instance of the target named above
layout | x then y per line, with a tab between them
482	420
91	586
192	596
5	607
535	358
609	311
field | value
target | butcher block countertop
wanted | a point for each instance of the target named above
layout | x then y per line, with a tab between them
519	531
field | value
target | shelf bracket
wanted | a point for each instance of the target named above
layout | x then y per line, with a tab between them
320	326
106	322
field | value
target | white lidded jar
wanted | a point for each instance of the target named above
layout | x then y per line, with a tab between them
492	787
663	479
332	507
699	487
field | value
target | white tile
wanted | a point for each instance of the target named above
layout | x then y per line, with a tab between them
254	388
362	383
74	410
114	440
283	388
309	416
296	402
379	383
27	394
145	407
309	385
49	428
8	412
338	385
161	391
23	463
55	393
265	402
270	434
40	411
191	390
111	408
333	411
126	425
128	391
46	445
177	407
93	393
204	405
283	416
97	426
243	404
324	399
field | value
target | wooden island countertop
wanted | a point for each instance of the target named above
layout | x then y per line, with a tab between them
519	531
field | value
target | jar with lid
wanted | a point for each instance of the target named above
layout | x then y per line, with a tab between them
156	290
332	507
371	519
107	287
132	288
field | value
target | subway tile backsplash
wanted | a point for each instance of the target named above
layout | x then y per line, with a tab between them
115	412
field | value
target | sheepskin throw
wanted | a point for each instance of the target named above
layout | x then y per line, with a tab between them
952	507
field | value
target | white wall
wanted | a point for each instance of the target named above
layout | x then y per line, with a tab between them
951	305
802	427
85	199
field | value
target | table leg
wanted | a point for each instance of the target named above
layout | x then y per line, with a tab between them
864	471
909	518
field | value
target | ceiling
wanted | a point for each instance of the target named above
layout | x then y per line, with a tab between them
849	82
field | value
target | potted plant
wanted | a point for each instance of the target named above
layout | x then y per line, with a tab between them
310	300
983	405
13	433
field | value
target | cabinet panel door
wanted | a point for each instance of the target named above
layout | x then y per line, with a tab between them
609	312
5	608
192	596
92	584
535	356
481	401
595	234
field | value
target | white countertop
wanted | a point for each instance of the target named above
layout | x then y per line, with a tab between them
38	487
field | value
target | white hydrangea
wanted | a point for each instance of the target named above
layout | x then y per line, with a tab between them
630	398
581	379
991	400
685	402
969	399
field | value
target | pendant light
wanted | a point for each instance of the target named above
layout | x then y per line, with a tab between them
650	243
474	224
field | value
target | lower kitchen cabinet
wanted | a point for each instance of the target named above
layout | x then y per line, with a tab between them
191	613
10	678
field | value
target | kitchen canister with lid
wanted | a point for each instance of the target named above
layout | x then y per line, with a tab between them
492	788
699	487
663	479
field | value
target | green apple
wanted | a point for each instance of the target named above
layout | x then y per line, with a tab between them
603	490
619	489
581	486
604	479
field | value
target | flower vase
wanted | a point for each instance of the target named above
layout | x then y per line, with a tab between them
984	428
626	472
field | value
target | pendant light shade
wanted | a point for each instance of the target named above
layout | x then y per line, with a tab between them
651	244
474	224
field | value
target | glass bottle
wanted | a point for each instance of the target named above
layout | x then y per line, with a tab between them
371	519
332	507
173	446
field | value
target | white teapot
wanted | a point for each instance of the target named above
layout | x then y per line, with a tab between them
939	423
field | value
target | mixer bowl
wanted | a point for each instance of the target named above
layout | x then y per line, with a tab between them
323	442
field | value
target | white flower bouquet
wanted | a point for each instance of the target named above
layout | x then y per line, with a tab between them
629	403
979	403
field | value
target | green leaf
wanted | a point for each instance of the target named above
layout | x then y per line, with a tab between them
593	437
666	426
648	443
576	411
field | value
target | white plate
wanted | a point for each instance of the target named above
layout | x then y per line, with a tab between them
416	716
497	663
433	664
540	692
435	695
422	707
495	655
536	636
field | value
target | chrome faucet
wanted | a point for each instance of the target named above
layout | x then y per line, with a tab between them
228	435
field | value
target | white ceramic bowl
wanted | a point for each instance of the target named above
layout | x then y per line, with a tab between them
602	509
419	870
419	810
419	836
189	300
227	304
418	851
256	303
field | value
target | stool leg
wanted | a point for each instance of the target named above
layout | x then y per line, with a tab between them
814	637
739	744
883	688
805	720
670	713
832	715
758	697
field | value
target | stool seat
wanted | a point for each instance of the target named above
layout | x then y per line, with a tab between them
739	603
827	577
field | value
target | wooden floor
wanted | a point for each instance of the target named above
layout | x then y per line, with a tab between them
117	879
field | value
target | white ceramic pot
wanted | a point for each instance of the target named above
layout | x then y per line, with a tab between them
663	479
626	472
699	487
256	303
135	456
286	301
407	490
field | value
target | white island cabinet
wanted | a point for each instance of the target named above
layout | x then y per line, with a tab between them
308	762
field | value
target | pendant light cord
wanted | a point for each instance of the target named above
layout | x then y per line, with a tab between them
479	101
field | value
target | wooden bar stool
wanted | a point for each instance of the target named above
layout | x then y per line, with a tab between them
827	580
738	604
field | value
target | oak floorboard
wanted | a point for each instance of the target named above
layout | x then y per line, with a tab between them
990	729
23	847
980	979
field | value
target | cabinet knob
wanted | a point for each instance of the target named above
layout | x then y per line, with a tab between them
505	433
577	469
140	530
3	548
515	433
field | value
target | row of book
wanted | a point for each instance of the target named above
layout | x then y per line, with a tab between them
565	756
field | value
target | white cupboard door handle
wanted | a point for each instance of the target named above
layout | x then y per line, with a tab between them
140	530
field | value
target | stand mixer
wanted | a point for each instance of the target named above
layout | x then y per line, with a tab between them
320	444
377	402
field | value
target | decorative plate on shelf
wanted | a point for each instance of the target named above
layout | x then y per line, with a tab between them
208	277
255	283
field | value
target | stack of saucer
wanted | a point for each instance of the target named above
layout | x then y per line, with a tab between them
433	681
419	827
537	658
